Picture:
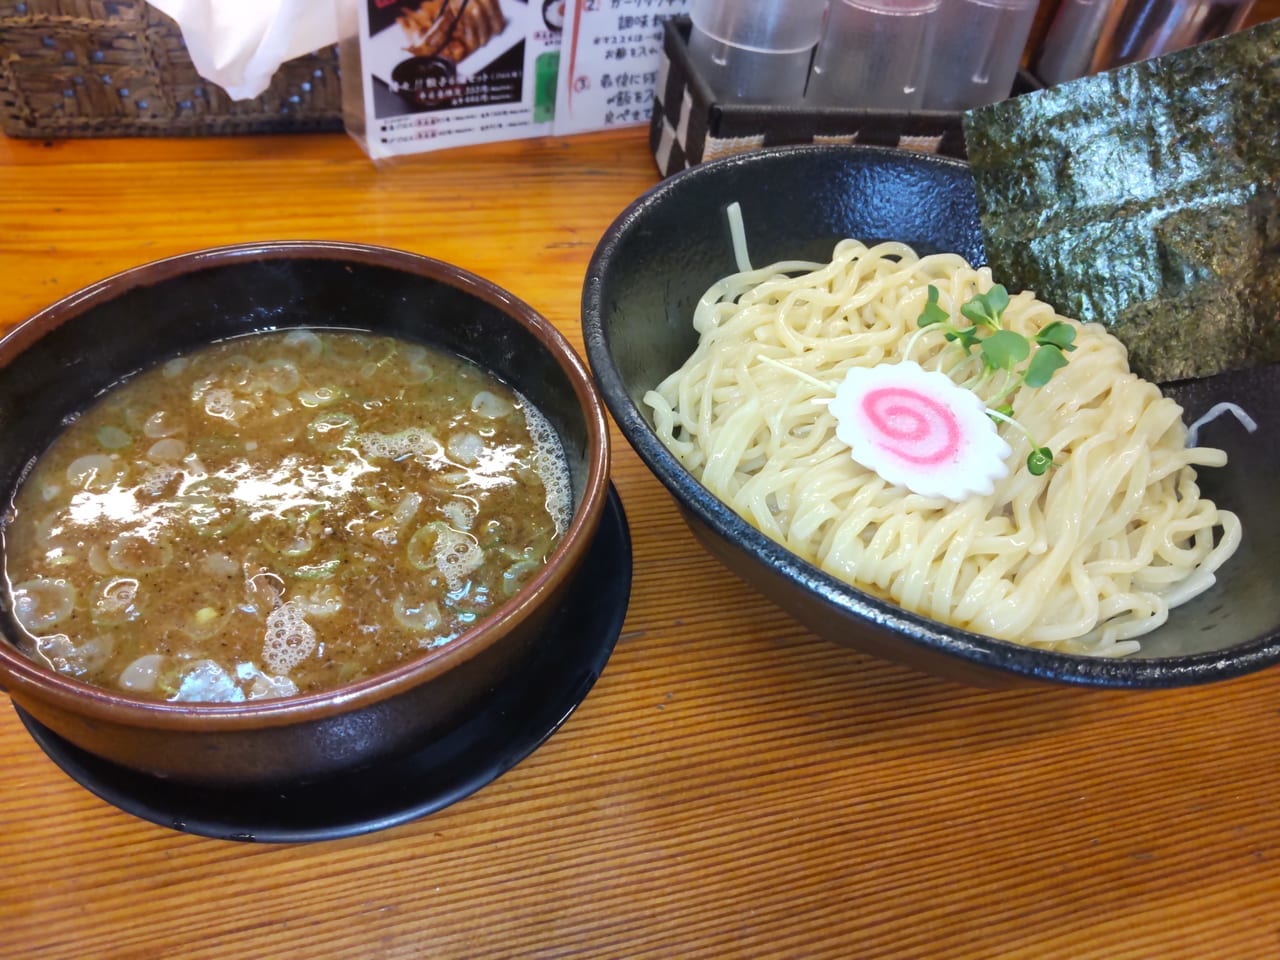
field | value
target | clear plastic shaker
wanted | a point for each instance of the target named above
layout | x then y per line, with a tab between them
874	53
979	48
1141	29
755	51
1069	44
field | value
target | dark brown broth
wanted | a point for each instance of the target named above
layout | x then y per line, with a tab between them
281	513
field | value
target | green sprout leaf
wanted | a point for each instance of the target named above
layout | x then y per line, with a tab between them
1039	460
998	299
1004	350
985	308
932	313
1057	334
967	338
1042	366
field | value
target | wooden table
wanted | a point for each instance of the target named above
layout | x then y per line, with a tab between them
732	787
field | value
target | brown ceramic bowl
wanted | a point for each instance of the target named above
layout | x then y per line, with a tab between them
54	364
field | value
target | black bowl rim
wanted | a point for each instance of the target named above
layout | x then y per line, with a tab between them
835	594
28	679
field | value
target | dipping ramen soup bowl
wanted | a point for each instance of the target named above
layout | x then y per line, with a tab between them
54	369
666	250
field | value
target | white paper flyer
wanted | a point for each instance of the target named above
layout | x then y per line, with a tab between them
609	65
442	73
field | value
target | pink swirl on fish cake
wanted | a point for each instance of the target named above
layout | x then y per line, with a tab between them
912	425
917	429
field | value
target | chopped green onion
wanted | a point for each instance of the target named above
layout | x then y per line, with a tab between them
134	554
331	430
318	571
113	438
320	396
280	375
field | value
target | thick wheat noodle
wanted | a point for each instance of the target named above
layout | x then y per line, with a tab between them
1082	559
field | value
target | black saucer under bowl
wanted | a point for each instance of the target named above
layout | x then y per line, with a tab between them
515	719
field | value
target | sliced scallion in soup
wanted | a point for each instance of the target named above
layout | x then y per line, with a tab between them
281	513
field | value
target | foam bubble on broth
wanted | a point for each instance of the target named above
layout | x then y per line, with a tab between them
289	640
552	467
460	513
206	680
279	514
457	554
415	441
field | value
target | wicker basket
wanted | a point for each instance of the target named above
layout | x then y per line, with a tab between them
99	68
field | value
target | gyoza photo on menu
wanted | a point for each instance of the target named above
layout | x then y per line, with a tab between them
445	54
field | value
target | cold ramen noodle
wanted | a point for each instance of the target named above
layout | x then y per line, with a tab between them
281	513
905	425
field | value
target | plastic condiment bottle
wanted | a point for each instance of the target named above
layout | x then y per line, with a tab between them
1073	35
874	53
755	51
979	48
1140	29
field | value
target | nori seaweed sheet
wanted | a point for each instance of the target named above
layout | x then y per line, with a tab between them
1146	198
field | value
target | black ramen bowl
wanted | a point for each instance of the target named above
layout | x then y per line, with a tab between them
667	248
56	363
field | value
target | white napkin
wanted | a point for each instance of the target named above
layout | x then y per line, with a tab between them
239	44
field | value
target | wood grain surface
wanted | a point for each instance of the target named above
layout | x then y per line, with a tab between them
732	787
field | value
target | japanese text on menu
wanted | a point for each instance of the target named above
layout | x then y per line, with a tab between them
609	67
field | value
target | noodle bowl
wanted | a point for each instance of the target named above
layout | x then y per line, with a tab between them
1082	559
